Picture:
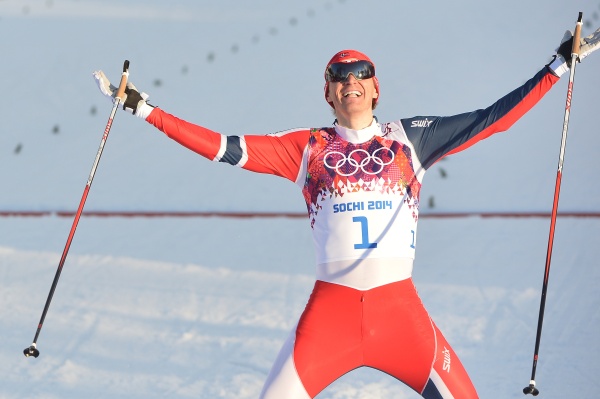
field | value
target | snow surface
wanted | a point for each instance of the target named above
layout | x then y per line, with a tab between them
199	307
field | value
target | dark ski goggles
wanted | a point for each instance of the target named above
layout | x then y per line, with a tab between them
340	71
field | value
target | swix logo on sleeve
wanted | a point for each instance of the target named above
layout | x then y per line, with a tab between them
421	123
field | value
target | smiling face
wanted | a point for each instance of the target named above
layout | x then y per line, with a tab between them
353	101
352	92
351	88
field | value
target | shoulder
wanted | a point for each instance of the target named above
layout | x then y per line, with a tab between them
408	128
291	132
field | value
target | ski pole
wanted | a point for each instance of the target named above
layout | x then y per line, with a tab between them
32	350
531	389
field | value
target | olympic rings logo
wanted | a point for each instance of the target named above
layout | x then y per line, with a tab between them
351	162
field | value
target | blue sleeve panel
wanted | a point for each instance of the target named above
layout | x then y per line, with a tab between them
435	137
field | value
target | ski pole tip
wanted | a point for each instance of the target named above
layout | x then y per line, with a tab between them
531	389
31	351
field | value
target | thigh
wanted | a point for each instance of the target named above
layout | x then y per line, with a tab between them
328	337
325	344
403	341
283	382
399	335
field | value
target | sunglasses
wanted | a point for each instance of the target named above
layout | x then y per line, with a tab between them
340	71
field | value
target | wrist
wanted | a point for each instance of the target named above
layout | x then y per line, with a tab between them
143	110
558	66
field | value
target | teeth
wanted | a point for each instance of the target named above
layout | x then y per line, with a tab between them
356	93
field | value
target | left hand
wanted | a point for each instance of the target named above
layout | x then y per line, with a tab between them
133	101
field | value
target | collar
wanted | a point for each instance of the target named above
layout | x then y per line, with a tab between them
358	136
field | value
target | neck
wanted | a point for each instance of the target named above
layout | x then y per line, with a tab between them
355	122
358	136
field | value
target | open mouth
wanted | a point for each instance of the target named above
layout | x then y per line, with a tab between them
353	93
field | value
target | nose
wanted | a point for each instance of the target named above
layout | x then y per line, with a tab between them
350	78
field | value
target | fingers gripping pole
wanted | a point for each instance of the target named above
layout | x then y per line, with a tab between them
123	84
32	350
577	36
531	389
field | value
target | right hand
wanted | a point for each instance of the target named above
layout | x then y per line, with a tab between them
587	45
133	101
562	59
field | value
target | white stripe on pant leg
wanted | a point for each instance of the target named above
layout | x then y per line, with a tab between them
283	381
440	385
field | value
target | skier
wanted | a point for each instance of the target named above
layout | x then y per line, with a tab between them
361	181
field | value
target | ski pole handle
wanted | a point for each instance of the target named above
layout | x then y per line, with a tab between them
577	36
123	83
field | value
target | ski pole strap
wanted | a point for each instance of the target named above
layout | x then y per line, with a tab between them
577	36
123	83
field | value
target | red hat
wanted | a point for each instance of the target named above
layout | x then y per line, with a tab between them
350	56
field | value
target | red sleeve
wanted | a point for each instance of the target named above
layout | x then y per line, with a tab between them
278	154
197	138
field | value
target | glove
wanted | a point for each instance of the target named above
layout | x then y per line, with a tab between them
562	60
133	101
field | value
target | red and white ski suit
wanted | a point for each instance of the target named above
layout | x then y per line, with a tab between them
362	194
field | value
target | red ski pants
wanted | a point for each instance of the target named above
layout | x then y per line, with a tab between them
386	328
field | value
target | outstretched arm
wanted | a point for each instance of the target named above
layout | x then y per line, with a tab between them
441	136
279	154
